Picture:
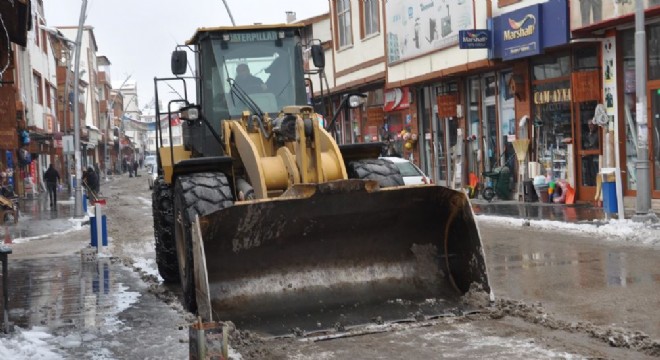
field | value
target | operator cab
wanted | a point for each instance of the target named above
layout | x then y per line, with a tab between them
263	62
256	68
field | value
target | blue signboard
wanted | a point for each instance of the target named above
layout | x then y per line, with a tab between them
521	32
474	39
553	14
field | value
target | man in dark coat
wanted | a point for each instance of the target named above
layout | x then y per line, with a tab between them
135	167
52	178
91	179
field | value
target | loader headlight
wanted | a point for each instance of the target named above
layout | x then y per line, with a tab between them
190	113
355	100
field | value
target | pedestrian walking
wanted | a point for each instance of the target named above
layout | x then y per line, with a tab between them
52	178
135	167
92	181
97	170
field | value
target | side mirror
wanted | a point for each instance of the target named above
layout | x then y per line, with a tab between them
179	62
318	56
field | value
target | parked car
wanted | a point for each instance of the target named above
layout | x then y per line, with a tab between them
149	160
152	174
412	175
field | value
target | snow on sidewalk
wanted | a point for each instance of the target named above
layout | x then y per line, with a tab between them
625	231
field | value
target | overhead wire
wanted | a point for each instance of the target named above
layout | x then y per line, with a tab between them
4	27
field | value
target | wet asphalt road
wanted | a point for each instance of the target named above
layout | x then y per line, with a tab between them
95	310
577	277
105	310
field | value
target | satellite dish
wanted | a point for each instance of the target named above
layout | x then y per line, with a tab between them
600	115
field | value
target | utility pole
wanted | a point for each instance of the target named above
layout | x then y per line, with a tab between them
643	210
233	23
66	101
78	208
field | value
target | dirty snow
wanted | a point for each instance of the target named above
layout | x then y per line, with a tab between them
76	224
625	231
28	344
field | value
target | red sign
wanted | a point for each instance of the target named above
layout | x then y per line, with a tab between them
397	99
33	171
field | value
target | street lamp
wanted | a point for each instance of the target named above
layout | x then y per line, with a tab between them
70	45
78	208
643	211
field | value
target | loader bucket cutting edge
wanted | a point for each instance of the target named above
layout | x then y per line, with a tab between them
341	246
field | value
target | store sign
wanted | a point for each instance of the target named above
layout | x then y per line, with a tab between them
397	99
586	13
610	90
521	33
417	27
474	39
552	96
531	30
447	105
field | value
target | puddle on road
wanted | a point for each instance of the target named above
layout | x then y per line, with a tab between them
66	293
37	218
564	213
589	269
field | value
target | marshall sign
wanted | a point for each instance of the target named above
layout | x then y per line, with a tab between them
474	39
521	33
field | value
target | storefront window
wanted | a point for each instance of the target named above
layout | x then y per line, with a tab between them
585	59
446	134
552	67
552	126
490	122
474	92
590	140
629	96
653	36
507	119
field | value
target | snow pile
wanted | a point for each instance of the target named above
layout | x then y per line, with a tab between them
621	231
24	344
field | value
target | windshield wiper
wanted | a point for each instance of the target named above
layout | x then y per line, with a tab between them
242	95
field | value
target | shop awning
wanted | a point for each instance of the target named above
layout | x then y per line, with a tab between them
397	99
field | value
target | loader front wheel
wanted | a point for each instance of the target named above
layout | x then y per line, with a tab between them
197	194
161	203
383	171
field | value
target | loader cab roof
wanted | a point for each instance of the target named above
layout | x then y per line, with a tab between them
201	32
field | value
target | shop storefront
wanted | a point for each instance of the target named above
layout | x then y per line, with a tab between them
614	23
398	121
629	116
547	94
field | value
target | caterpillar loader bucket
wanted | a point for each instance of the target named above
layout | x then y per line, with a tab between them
337	254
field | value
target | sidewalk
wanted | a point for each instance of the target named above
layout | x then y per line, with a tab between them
37	218
579	212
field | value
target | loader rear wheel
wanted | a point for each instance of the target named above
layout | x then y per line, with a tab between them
383	171
161	202
198	194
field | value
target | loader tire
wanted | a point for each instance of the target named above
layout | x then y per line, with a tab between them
196	194
383	171
161	203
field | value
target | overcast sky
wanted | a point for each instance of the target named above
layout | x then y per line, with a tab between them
138	36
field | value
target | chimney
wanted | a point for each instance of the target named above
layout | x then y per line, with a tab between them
290	17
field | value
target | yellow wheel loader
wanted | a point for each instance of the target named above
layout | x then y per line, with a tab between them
266	221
